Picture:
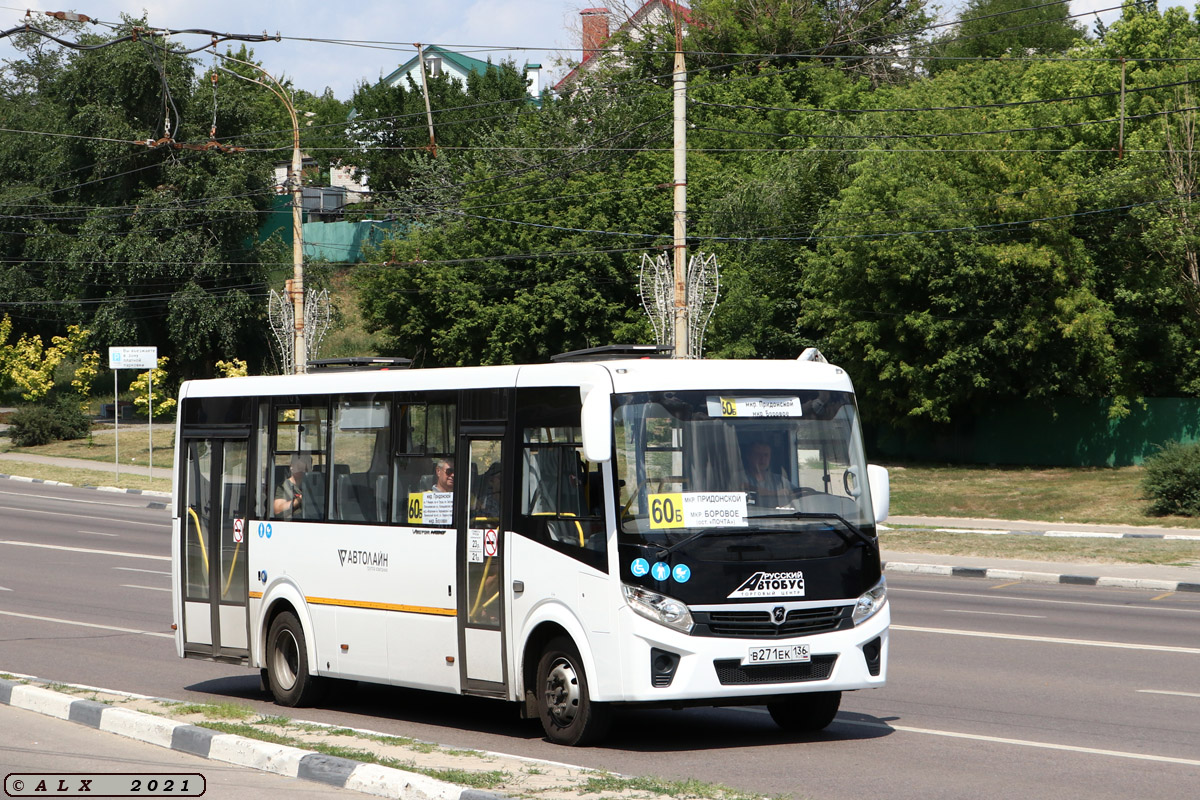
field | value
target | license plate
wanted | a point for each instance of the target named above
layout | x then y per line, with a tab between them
792	654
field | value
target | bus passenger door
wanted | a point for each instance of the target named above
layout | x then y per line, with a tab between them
215	622
481	566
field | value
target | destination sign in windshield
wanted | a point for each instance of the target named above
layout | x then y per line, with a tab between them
753	406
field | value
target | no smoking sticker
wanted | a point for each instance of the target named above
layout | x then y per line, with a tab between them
238	527
490	543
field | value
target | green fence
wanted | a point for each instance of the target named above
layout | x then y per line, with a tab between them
342	242
1068	432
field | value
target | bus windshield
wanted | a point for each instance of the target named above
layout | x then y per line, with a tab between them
733	462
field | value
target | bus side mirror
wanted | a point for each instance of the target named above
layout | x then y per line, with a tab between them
597	426
881	491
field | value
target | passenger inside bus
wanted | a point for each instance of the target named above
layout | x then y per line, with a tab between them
289	499
768	486
443	479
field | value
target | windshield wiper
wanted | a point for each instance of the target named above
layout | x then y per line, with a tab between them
871	543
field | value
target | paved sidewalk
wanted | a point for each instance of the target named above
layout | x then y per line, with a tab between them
82	463
976	523
285	760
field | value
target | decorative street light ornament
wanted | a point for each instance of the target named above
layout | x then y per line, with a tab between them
281	312
656	285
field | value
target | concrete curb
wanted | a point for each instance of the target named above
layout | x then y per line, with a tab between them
283	760
116	489
34	480
992	573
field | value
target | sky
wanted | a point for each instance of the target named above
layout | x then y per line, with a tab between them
527	31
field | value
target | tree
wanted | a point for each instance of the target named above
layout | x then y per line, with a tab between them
991	28
857	35
30	365
954	277
150	394
138	243
390	132
508	258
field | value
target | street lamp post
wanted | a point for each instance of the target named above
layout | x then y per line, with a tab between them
299	348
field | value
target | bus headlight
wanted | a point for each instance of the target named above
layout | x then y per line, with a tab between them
658	607
869	604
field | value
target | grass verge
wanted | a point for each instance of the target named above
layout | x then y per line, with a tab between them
1042	548
86	477
131	443
1100	496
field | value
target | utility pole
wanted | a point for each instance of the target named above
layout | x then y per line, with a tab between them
295	286
299	347
680	183
425	89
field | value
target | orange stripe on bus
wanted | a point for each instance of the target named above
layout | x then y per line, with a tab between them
332	601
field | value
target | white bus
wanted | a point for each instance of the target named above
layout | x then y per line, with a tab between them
572	537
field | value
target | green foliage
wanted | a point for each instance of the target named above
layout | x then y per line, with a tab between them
390	128
990	28
149	244
150	394
508	267
49	422
30	366
1172	480
787	26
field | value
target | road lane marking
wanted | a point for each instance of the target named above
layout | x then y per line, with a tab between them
151	571
895	589
978	737
1162	596
994	613
1173	694
83	550
99	533
87	624
5	589
1069	748
77	500
151	588
1160	648
1006	585
92	517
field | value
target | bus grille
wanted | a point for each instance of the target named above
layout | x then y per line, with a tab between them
731	672
758	624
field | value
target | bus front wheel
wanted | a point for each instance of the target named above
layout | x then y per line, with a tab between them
287	663
564	705
805	713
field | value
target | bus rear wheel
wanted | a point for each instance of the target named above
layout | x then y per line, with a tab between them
805	713
287	663
564	704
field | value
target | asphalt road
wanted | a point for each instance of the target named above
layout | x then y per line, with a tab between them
996	690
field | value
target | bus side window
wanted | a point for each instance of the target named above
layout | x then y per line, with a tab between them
361	438
425	437
561	499
299	465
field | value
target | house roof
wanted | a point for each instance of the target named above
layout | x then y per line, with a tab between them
634	19
465	64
